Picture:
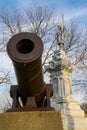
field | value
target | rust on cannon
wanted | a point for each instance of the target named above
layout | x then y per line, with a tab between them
25	50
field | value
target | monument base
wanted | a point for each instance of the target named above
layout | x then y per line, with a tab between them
73	108
34	120
73	117
69	108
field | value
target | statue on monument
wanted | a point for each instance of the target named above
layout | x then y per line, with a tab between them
60	35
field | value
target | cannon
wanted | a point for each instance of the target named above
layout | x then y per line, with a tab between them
31	92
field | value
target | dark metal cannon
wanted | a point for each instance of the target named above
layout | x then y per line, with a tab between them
25	50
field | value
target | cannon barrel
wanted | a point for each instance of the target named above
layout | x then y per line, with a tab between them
25	50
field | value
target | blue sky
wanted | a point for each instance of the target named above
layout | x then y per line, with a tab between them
70	8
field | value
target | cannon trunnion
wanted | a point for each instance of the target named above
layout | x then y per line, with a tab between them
25	50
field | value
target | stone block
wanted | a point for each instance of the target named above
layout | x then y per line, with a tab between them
31	120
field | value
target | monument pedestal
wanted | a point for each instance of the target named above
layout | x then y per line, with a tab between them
34	120
73	108
73	117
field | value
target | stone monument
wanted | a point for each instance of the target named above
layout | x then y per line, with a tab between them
60	69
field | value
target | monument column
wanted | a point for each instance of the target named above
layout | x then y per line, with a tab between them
60	70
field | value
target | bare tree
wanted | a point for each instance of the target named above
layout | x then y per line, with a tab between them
4	78
76	49
5	103
84	107
40	20
10	24
76	45
11	21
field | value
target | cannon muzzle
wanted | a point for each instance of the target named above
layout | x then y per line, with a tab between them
25	50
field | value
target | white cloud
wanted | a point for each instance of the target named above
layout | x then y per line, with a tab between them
5	62
75	13
24	4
